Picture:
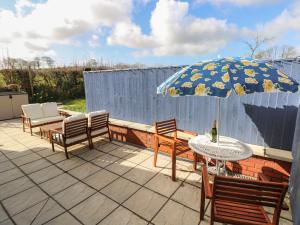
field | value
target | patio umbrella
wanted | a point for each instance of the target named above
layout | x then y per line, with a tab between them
219	77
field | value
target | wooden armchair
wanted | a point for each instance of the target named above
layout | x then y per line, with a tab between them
98	125
240	201
74	130
166	136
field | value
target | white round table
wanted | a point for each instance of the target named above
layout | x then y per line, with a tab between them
228	149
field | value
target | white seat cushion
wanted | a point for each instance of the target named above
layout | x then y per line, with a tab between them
46	120
72	118
95	132
33	111
50	109
95	113
71	140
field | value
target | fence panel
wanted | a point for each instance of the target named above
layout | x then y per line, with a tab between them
261	119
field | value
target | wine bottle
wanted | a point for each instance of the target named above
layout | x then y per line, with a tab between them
214	132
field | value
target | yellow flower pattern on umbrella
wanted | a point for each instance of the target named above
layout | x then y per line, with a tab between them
209	66
196	76
187	84
239	89
264	69
225	77
200	89
282	74
250	72
172	91
268	85
219	85
285	80
251	80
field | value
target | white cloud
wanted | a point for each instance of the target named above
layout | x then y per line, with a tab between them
35	27
174	32
238	2
94	41
288	20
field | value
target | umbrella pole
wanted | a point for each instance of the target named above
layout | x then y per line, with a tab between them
218	118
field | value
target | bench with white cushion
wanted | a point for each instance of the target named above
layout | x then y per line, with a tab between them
35	115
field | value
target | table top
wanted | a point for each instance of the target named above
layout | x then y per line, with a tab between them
51	126
228	149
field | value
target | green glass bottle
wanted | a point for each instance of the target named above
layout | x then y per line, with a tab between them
214	132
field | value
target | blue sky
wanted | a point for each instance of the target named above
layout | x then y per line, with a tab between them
164	32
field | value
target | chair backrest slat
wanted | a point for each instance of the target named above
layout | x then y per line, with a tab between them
76	128
99	121
165	127
249	191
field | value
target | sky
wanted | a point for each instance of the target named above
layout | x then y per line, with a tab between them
162	32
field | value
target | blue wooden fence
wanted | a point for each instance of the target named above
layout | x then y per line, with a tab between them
261	119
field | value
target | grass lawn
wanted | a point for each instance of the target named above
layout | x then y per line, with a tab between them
77	105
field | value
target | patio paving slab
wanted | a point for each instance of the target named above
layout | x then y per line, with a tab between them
3	215
71	163
65	218
120	190
73	195
35	166
24	200
58	183
6	165
145	203
140	174
105	160
121	166
94	209
163	184
26	159
14	187
188	195
39	213
10	175
176	214
84	170
100	179
122	216
45	174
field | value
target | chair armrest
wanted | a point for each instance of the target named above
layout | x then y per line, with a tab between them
188	132
207	186
170	140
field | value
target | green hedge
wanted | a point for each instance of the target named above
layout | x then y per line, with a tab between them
56	84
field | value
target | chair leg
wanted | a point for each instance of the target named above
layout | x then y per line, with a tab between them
66	152
109	136
52	143
30	130
91	145
173	156
195	161
155	152
202	202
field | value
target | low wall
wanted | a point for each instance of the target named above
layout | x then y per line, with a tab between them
142	135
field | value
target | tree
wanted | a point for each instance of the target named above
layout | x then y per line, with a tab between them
92	63
276	52
256	43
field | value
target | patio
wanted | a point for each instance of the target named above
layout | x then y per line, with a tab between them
115	183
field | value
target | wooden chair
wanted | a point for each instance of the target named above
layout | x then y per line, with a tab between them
74	131
98	126
166	136
240	201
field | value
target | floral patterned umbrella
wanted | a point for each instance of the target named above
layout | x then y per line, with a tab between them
220	77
